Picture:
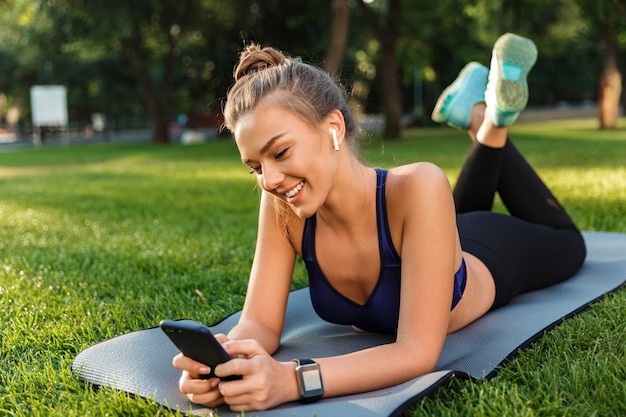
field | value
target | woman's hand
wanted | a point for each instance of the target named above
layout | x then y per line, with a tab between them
199	391
266	382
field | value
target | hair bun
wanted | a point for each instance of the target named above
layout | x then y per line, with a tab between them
254	58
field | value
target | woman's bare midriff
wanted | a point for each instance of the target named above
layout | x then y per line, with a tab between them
480	291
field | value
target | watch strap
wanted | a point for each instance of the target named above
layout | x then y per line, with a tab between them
304	361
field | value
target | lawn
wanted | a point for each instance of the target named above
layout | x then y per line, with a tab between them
102	239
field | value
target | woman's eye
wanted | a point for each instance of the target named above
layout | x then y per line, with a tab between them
281	153
255	170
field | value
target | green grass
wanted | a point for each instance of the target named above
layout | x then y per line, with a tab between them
103	239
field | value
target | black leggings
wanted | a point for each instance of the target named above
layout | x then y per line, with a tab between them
538	245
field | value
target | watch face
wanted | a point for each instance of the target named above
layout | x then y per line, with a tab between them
312	380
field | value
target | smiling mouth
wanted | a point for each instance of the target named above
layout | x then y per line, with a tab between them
295	190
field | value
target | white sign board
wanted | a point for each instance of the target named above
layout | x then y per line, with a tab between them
49	105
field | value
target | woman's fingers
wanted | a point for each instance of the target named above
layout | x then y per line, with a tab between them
194	368
200	391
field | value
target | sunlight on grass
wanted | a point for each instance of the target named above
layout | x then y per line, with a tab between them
595	197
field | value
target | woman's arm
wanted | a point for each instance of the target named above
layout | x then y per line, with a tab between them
263	314
264	309
268	383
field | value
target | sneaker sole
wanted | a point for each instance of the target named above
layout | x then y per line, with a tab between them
437	115
515	56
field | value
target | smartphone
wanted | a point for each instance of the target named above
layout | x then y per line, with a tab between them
196	341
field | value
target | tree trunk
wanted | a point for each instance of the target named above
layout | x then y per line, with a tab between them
162	130
391	88
339	29
160	122
390	73
389	67
157	107
610	83
161	133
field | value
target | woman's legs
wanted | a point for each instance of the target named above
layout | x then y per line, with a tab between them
494	164
526	196
538	245
504	170
521	256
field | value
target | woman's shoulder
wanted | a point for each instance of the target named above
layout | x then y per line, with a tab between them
416	187
417	195
418	174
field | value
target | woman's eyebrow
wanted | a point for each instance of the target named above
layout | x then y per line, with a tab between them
270	142
267	146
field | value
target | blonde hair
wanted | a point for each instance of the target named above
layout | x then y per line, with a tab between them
302	88
306	90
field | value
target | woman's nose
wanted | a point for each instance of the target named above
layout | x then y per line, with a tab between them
272	177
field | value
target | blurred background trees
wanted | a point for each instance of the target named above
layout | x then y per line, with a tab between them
164	61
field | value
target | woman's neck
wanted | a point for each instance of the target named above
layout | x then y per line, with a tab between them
352	194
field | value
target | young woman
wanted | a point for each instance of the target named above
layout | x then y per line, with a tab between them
387	251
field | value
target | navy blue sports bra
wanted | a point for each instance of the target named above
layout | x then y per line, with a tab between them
381	311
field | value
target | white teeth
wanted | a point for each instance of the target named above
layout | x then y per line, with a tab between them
294	190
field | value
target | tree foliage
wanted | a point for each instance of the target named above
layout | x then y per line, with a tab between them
157	41
162	58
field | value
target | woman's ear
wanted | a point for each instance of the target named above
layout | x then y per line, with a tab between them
335	121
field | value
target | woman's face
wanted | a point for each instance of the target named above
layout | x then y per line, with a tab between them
290	159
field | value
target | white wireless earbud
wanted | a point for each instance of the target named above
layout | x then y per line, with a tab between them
333	133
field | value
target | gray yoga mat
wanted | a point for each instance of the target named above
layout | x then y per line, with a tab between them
140	362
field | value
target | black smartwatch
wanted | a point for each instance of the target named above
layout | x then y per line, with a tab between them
309	376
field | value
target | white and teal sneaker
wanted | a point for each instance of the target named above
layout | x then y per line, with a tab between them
455	103
507	91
